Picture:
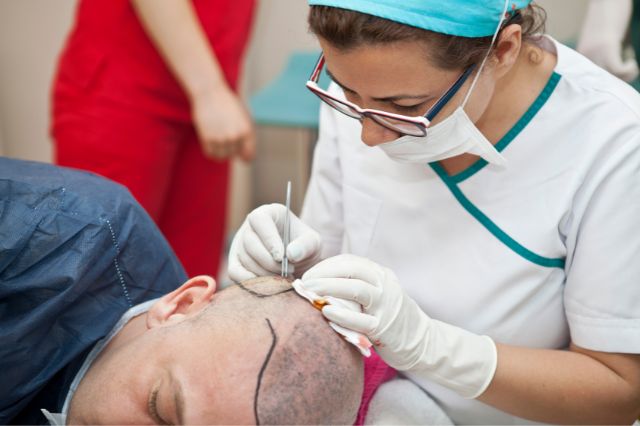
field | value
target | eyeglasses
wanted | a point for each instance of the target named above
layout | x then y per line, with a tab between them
412	126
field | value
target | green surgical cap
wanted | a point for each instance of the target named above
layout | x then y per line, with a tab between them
465	18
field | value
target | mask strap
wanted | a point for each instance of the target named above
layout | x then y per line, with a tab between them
493	40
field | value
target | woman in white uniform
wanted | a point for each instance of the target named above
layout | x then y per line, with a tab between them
476	190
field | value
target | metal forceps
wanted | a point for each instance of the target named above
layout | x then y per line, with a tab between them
287	232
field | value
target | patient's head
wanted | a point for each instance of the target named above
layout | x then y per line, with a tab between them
255	352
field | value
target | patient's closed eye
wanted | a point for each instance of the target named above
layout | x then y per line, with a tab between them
153	406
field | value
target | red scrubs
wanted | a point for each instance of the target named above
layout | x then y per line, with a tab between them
118	111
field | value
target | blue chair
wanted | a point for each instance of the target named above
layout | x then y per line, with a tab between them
286	102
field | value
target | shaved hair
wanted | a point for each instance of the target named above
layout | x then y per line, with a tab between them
308	374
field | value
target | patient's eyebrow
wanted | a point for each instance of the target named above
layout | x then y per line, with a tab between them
274	340
262	295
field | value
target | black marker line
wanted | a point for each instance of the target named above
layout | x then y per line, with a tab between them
262	295
274	339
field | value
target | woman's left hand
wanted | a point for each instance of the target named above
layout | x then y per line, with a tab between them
385	306
404	336
223	125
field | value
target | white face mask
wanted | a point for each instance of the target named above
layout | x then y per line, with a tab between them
455	135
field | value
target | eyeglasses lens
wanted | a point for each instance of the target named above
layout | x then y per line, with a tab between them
396	125
343	108
400	126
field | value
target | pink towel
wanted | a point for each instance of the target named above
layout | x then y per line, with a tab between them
376	372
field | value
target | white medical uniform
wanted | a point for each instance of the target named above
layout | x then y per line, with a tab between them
539	253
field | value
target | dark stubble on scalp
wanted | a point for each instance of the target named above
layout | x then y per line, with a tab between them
327	374
274	340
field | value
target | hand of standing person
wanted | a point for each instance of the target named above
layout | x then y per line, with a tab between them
221	120
223	124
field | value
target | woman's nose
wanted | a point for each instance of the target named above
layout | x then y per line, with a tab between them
374	134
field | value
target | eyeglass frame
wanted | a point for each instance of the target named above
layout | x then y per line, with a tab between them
422	123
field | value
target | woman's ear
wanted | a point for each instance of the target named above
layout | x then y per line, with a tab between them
182	303
507	49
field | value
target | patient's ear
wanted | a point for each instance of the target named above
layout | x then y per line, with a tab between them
182	303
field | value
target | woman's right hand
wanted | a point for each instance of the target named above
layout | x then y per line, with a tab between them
223	125
257	248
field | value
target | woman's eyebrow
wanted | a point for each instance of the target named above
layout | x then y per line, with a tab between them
335	80
393	98
423	98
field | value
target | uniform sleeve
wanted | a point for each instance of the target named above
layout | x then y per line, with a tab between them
322	209
602	293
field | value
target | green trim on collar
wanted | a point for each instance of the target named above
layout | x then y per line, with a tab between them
492	227
515	130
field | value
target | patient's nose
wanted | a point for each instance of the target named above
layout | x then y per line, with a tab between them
375	134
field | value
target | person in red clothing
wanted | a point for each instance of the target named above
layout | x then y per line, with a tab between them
145	94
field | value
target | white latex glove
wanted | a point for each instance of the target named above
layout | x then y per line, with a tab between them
602	37
404	336
257	248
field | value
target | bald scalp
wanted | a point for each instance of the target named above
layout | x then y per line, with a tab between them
309	374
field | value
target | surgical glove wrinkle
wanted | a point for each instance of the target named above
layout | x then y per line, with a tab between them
257	248
405	337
